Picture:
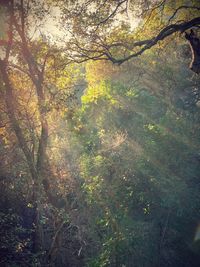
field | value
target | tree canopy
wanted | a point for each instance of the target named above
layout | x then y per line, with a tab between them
99	133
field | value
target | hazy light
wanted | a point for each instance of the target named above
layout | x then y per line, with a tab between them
197	234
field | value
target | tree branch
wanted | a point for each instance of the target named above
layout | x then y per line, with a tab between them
182	7
167	31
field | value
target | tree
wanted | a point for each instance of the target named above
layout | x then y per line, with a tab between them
118	30
30	76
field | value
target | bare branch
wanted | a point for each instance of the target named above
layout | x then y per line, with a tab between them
12	65
112	14
182	7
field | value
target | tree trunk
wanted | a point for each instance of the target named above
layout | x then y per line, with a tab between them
37	187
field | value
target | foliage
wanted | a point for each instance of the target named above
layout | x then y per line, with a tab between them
143	185
99	163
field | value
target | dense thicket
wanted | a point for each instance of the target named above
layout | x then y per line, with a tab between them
99	164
